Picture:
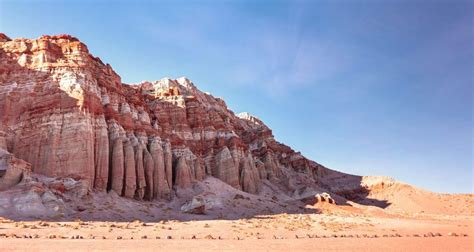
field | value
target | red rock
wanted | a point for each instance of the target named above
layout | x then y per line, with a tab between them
67	113
247	180
160	184
225	168
183	174
195	206
4	38
168	160
141	182
12	170
149	167
130	171
249	177
101	158
271	167
199	172
117	172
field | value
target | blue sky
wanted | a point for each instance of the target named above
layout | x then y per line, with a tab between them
365	87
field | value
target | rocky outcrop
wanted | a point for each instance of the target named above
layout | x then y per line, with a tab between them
319	198
69	115
249	177
271	167
195	206
117	169
12	170
225	168
149	167
101	157
199	173
168	161
140	169
130	171
183	174
160	188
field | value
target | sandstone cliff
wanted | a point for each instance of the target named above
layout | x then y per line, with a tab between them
68	114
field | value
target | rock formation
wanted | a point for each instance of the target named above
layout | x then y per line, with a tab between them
140	169
160	188
130	171
12	170
117	168
149	166
68	114
183	173
318	198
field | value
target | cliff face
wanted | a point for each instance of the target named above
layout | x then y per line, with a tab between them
69	115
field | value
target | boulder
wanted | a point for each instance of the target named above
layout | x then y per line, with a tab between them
318	198
195	206
76	188
29	204
12	170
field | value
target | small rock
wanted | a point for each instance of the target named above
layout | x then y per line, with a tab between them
238	196
209	237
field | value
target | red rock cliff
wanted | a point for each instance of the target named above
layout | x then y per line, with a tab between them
68	114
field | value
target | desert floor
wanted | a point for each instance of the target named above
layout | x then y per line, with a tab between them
414	220
300	232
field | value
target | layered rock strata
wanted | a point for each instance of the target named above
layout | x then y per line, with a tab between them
68	114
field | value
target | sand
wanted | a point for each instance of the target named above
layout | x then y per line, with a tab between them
300	232
414	220
330	244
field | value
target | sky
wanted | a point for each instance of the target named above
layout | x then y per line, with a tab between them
364	87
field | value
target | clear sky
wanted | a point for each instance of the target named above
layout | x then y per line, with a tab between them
364	87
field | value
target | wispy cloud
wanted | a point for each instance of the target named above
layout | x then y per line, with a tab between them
274	54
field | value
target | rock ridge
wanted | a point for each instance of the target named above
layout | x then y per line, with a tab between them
67	113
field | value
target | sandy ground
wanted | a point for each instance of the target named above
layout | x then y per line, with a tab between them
300	232
412	220
329	244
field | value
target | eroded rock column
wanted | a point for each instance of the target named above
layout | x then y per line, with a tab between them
168	160
247	176
117	171
149	167
130	171
225	168
141	182
160	184
101	157
183	174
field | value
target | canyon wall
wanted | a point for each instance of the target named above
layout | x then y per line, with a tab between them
69	115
